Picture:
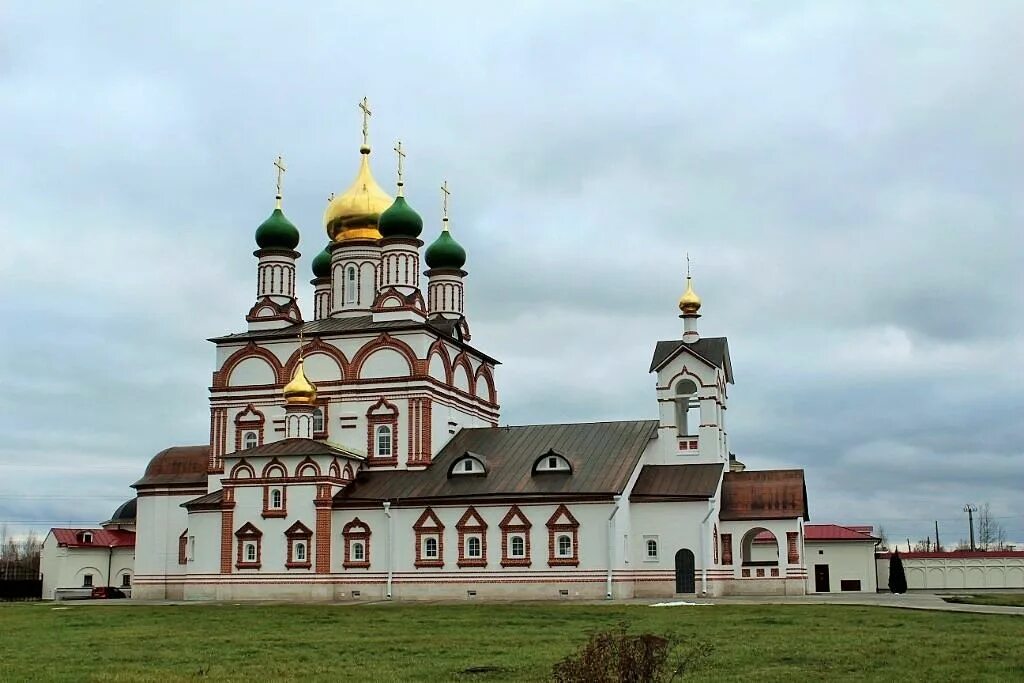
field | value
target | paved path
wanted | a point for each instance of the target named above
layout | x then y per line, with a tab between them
925	601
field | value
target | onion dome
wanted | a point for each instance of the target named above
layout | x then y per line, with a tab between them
689	302
300	389
322	264
354	213
445	252
277	232
400	220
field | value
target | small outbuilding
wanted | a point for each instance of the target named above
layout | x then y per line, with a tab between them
840	559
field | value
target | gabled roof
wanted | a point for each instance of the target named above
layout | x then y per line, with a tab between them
714	350
356	325
177	466
296	446
658	483
834	532
769	494
101	538
603	455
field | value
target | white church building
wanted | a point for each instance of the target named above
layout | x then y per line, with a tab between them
359	455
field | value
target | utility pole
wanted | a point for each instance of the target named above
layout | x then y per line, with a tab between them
970	510
938	546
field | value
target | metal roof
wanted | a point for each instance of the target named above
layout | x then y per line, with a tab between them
602	455
177	466
714	350
296	446
676	482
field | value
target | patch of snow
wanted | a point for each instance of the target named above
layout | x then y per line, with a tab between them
679	603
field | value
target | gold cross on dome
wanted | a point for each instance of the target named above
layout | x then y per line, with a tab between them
687	264
365	106
401	156
444	200
279	165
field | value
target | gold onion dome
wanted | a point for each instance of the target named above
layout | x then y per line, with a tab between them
355	212
300	389
689	302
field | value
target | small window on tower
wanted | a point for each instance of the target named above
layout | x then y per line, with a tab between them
350	285
251	440
318	421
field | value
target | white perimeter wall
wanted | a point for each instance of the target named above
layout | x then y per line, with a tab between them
937	573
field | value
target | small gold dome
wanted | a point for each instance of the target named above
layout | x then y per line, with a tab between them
299	390
354	213
689	302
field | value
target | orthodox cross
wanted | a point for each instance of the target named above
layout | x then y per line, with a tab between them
401	156
444	203
687	264
279	165
365	106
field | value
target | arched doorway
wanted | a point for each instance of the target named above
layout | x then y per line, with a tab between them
685	573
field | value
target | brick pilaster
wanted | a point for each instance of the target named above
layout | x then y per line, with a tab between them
227	523
323	528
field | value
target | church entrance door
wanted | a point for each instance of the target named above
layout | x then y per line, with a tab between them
685	574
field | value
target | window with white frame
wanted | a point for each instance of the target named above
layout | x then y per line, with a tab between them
276	499
250	552
300	551
474	547
687	408
430	548
358	551
350	285
467	464
250	440
517	546
650	548
318	420
86	537
383	441
564	546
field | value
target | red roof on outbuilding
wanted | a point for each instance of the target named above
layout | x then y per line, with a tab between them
101	538
834	532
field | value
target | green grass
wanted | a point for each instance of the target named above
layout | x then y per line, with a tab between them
391	642
1009	599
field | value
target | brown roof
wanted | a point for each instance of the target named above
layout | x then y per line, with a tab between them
297	447
211	501
176	466
769	494
714	350
602	456
676	482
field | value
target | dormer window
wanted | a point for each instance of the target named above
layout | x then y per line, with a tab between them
86	537
552	461
469	464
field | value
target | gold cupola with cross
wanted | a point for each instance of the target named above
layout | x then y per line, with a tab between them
353	214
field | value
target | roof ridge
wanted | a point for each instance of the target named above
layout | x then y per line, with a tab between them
561	424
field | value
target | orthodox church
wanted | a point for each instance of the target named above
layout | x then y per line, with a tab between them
359	455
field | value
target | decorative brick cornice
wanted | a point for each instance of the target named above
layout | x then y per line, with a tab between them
289	311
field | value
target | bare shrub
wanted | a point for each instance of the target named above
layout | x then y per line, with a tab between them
616	656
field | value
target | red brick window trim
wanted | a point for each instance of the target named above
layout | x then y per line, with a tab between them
727	549
249	428
563	539
275	501
429	540
515	532
357	544
472	531
183	547
382	444
793	547
300	546
250	547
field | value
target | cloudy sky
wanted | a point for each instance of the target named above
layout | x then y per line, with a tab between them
847	177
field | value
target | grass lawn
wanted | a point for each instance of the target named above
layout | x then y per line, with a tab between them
1011	599
43	641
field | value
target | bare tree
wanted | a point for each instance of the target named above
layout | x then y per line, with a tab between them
882	537
991	534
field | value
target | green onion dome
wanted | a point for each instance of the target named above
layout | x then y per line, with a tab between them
322	264
445	252
277	232
399	220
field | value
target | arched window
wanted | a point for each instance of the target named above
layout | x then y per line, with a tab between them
517	547
251	440
358	551
350	285
652	549
687	408
276	499
430	547
383	441
300	551
318	420
565	546
473	546
250	552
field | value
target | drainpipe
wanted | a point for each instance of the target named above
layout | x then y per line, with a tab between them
611	547
387	513
110	561
704	548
